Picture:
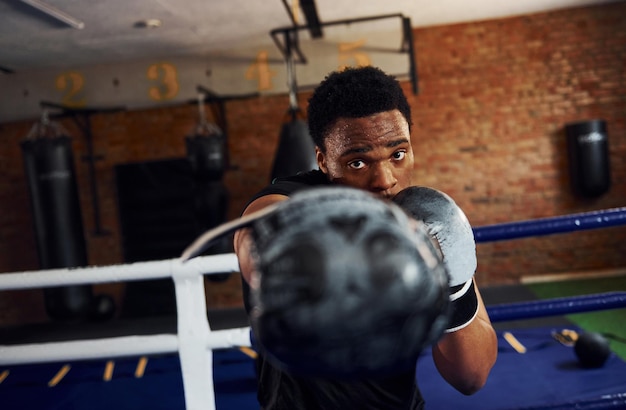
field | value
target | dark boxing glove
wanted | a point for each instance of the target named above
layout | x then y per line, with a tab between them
449	227
347	287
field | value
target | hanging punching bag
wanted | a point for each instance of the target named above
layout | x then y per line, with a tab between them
295	152
211	206
588	152
49	168
207	157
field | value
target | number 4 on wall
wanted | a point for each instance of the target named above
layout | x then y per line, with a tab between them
261	72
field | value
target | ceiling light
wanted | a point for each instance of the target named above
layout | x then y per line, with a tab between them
148	23
55	13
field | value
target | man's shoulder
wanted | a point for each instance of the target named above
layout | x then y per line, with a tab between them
309	178
291	184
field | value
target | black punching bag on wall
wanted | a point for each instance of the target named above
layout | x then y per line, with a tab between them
49	167
588	150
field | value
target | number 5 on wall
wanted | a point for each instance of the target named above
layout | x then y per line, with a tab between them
351	55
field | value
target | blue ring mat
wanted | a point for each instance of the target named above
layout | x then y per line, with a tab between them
546	376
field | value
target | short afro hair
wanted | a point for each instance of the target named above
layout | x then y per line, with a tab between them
353	93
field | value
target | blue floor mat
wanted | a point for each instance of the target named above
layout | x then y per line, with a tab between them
548	375
160	387
545	376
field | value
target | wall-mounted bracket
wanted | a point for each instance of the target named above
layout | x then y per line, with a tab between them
288	43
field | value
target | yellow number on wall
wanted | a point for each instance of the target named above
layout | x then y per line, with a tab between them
260	71
71	83
167	77
349	55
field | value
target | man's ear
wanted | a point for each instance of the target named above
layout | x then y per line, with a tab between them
321	160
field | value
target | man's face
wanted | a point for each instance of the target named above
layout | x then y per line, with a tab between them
372	153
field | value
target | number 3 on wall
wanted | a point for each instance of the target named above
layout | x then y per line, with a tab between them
71	83
167	77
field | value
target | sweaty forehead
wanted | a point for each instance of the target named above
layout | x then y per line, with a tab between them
385	129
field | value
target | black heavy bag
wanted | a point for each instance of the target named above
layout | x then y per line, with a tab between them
588	151
295	152
210	204
207	156
210	209
49	167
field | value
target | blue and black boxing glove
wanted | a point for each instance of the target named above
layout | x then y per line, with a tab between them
451	230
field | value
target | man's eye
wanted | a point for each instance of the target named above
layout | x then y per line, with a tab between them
399	155
358	164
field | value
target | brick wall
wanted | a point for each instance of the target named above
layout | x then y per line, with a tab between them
488	129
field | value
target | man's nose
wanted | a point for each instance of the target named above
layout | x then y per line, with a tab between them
382	178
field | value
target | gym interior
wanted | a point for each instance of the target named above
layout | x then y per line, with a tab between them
161	148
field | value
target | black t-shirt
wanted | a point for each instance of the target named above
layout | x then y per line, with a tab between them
278	390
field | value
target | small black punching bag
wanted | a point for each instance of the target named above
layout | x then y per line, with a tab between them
49	167
295	152
207	156
588	150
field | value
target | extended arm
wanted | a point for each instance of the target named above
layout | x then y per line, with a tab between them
465	355
464	358
243	242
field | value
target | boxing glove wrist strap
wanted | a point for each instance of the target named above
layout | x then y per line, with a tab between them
464	306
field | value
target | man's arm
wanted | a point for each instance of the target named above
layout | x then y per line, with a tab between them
466	354
243	242
464	358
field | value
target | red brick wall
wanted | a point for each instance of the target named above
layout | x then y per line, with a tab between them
488	129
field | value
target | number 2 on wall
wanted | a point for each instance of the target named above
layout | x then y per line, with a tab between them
71	83
167	76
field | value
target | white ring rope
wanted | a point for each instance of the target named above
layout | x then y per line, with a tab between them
119	273
194	339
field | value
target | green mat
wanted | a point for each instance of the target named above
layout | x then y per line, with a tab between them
606	321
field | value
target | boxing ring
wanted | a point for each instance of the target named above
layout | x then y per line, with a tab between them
196	346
